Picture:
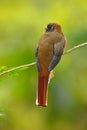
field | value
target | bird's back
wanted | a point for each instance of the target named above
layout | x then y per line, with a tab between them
45	53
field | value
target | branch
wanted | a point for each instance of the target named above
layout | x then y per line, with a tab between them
74	48
16	68
33	63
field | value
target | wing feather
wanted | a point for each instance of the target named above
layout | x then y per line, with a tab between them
37	62
58	51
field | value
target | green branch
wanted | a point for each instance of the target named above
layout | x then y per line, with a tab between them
33	63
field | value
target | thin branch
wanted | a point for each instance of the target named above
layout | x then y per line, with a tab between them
33	63
16	68
74	48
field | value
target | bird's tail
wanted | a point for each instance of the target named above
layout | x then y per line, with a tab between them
42	90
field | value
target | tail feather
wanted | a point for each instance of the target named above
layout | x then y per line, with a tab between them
42	90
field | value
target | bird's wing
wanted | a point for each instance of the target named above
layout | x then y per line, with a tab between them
37	62
36	52
58	51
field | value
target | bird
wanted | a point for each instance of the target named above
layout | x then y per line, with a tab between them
48	54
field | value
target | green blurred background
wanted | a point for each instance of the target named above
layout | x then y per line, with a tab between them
22	22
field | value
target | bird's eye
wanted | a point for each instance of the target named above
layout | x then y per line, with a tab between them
50	28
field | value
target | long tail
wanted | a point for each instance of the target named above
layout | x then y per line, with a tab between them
42	90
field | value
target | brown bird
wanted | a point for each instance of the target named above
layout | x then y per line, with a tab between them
48	54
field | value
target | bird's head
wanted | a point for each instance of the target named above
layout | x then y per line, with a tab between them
54	27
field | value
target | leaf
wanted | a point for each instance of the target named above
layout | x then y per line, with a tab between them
13	73
3	68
